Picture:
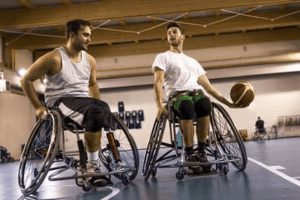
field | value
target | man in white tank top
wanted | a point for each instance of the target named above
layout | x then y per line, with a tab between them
180	75
72	86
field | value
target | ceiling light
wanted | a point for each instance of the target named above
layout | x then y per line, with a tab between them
21	72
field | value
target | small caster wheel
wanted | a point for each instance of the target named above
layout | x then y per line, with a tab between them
154	172
86	187
179	175
225	169
78	182
125	179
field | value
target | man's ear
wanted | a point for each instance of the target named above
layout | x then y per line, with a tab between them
182	37
72	35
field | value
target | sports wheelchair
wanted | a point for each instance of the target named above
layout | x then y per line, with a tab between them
45	151
261	134
224	145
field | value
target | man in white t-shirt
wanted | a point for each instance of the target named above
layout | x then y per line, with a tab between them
180	74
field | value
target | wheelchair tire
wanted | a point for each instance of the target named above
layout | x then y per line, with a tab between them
228	137
39	153
127	149
153	146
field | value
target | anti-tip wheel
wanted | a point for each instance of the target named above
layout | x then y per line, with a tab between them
225	169
125	179
154	172
86	186
179	175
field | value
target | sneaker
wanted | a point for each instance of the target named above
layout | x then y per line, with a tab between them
93	166
201	155
191	158
192	170
203	159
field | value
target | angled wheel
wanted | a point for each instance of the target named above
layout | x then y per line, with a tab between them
39	153
124	145
228	137
153	146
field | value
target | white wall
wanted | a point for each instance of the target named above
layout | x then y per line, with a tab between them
23	59
17	115
17	118
206	55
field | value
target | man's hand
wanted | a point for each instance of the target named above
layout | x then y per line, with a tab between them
41	112
161	110
232	105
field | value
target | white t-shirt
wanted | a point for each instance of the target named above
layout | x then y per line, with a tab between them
181	71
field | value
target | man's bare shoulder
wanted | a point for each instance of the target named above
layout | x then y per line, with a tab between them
92	60
51	61
51	57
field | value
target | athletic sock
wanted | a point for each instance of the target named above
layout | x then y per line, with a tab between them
93	156
201	146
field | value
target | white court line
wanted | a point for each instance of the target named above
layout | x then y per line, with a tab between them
275	171
114	192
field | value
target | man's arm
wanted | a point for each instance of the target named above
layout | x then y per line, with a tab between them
158	90
93	86
203	80
38	69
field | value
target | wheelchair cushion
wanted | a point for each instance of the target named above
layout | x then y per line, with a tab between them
71	125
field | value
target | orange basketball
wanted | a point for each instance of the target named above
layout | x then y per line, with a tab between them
242	93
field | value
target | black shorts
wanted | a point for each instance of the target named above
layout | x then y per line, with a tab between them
192	106
92	114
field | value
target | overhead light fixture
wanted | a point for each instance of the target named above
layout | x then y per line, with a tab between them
21	72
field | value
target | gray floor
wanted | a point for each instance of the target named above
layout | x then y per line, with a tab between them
272	173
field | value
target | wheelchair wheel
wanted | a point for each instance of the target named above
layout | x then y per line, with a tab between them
126	148
39	153
153	146
228	137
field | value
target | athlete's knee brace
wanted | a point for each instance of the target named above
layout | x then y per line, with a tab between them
96	118
203	107
186	110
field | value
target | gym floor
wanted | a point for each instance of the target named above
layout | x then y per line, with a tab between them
272	173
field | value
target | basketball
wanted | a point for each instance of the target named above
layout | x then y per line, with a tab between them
242	93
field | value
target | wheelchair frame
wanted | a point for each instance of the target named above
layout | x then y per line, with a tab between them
224	145
46	146
258	135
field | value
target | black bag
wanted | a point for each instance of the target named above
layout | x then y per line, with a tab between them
5	155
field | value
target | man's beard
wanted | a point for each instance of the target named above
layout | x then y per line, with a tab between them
81	47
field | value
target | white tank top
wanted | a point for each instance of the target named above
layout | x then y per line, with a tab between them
71	81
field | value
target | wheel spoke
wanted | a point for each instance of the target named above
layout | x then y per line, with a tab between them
37	158
125	146
228	137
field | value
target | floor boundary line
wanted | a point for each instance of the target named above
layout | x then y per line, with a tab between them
275	171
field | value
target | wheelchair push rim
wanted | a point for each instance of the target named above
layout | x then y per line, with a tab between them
39	153
153	146
228	138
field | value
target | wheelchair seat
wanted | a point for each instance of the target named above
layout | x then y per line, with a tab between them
72	126
262	131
